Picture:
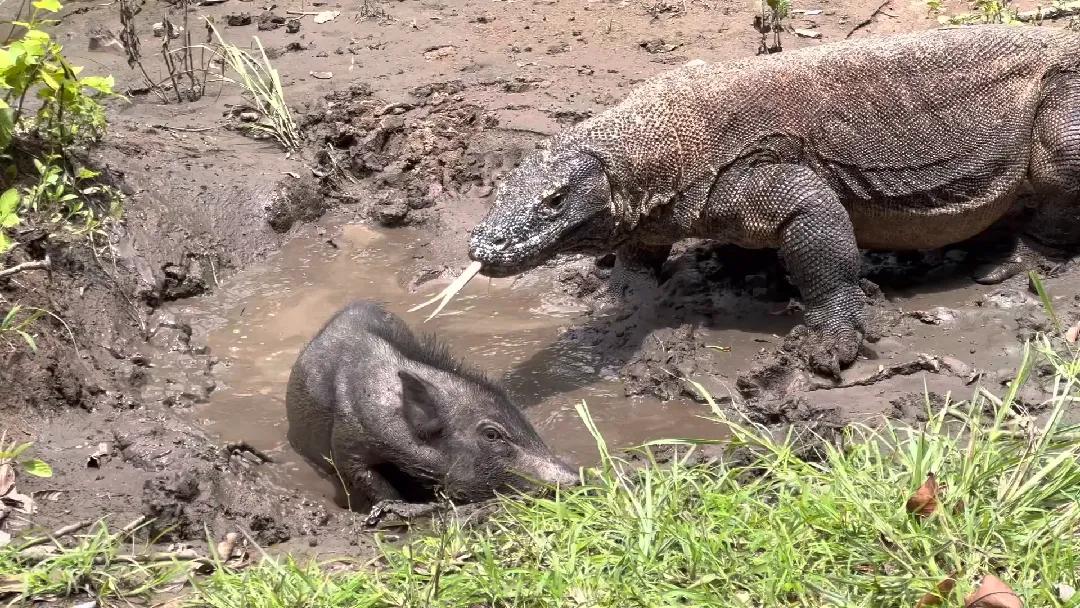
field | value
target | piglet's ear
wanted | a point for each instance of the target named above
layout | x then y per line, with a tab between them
420	407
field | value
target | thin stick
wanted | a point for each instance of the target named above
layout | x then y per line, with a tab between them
34	265
58	533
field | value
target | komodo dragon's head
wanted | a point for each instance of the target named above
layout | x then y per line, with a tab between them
558	200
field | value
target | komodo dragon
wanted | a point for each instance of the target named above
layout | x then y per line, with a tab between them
906	142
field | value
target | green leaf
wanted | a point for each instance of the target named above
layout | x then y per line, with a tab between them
9	202
84	173
37	468
19	449
103	84
28	339
53	6
5	242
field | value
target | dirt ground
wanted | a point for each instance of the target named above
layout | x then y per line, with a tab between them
410	111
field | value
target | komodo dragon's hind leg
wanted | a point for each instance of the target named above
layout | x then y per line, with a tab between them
1055	175
792	206
1055	165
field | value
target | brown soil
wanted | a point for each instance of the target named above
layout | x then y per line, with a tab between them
427	104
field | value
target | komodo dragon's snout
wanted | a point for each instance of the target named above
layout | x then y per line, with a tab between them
552	203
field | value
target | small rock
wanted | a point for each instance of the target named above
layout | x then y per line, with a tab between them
439	52
557	49
269	21
322	75
393	213
658	45
292	26
238	19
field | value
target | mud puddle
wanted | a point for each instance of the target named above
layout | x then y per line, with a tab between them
258	322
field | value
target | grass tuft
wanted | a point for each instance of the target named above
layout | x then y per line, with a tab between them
260	80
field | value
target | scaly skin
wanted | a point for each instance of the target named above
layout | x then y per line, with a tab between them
905	142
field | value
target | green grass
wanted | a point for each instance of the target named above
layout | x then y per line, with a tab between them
768	529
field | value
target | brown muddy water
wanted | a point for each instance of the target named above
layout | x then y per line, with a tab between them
258	321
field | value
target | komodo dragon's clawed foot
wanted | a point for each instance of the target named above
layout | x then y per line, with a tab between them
402	509
1021	259
826	352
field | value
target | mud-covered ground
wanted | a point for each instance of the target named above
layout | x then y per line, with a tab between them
410	111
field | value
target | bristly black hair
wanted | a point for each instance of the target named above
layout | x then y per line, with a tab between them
425	349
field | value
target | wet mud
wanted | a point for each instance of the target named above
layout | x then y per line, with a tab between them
171	342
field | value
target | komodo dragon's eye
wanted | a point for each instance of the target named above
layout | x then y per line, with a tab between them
553	203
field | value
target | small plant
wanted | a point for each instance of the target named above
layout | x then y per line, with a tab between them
9	216
47	107
771	19
11	462
17	321
261	82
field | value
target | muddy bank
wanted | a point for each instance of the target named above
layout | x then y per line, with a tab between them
163	345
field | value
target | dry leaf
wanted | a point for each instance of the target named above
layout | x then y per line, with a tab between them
992	593
49	495
100	454
940	592
322	75
9	583
5	538
20	502
7	478
1073	334
1065	592
225	548
925	500
325	16
805	33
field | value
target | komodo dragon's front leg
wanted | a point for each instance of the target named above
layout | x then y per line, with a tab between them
792	208
637	267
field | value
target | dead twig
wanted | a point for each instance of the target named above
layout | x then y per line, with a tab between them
185	129
151	559
131	526
45	264
868	20
58	533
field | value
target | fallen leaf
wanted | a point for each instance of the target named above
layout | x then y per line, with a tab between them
225	548
1073	334
941	590
90	604
925	500
1064	592
992	593
20	502
10	583
325	16
322	75
49	495
98	456
5	538
807	33
7	478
